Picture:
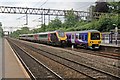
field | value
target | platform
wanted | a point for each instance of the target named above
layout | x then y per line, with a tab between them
12	67
1	58
110	45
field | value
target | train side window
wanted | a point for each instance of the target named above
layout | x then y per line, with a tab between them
80	37
72	36
86	37
69	37
76	36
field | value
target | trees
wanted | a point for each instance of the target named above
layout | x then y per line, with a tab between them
24	30
54	25
70	19
102	7
1	30
105	7
0	24
114	7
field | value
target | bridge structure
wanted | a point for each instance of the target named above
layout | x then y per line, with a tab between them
39	11
45	12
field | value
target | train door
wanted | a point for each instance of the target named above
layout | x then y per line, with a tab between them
73	38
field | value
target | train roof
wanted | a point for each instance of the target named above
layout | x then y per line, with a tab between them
86	31
25	34
39	33
49	32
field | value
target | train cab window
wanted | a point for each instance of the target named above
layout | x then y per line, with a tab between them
61	34
95	36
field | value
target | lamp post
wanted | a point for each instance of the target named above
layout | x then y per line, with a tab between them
116	33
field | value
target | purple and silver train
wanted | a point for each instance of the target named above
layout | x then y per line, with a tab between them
88	39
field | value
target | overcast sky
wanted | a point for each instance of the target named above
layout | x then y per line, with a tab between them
10	20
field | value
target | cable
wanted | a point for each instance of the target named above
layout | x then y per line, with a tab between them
37	3
34	5
20	17
43	3
84	6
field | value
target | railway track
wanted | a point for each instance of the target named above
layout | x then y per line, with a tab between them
112	59
82	68
30	63
98	53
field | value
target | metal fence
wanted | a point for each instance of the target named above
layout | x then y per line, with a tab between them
110	38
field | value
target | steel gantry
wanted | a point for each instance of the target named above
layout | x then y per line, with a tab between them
39	11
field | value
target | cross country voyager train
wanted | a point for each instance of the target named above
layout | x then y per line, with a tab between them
88	39
55	37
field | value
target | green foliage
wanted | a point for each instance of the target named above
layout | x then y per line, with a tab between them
42	29
54	25
24	30
102	7
105	23
1	30
0	24
114	7
70	19
118	21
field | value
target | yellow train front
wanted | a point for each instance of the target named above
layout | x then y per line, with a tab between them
94	39
57	38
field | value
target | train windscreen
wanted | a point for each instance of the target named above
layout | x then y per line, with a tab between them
61	34
95	36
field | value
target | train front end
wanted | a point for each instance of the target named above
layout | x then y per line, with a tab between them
62	38
94	40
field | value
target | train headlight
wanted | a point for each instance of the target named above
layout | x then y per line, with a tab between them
99	42
91	41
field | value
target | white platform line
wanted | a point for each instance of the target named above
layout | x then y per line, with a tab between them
23	69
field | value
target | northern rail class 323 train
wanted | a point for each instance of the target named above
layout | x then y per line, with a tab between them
53	37
88	39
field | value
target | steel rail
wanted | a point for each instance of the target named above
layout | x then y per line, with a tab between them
101	71
59	77
26	67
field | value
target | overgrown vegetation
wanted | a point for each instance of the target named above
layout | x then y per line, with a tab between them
1	30
72	23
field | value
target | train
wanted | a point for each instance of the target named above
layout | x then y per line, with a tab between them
88	39
54	37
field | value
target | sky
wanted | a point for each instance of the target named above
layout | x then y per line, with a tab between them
11	20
